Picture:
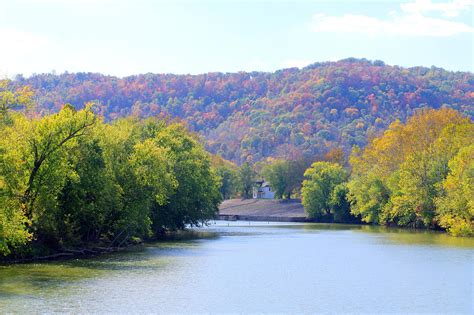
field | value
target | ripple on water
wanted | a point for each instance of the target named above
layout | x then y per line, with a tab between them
259	267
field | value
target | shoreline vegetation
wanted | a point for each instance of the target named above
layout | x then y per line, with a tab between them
418	174
95	250
67	254
185	234
70	179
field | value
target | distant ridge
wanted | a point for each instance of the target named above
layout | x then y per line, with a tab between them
249	116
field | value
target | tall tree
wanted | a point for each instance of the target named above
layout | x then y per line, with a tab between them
285	176
322	193
197	196
228	174
456	202
247	180
48	138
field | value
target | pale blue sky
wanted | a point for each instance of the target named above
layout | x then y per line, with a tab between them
120	37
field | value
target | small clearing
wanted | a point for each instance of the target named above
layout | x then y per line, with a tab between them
262	208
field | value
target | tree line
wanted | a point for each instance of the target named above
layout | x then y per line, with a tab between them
416	174
69	179
250	116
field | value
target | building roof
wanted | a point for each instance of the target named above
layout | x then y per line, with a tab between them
262	183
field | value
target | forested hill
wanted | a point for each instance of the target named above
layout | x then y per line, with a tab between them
287	113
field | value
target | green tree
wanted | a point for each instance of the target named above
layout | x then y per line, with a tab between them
197	196
285	176
228	175
13	128
395	179
455	205
247	180
87	200
416	184
142	172
340	205
277	174
69	179
35	164
368	195
228	181
48	142
322	191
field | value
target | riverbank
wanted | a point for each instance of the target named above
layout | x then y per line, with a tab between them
75	253
263	210
96	250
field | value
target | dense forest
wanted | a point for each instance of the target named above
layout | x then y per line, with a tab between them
356	140
419	174
68	180
291	113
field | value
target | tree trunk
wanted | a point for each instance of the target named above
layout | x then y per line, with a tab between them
26	199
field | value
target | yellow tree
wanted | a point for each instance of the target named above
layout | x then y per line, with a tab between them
12	220
395	177
456	204
47	139
11	98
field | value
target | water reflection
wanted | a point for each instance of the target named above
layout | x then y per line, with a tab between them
35	279
397	235
243	267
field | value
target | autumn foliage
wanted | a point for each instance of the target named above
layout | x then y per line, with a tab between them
289	114
418	174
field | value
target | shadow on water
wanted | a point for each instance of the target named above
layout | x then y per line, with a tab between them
387	235
34	279
394	235
420	237
38	280
31	280
188	234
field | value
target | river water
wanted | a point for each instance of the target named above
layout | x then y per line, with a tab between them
242	267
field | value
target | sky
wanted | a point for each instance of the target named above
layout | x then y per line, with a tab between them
126	37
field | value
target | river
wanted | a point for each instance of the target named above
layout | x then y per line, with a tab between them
250	267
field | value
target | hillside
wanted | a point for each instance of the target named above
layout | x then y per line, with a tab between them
250	116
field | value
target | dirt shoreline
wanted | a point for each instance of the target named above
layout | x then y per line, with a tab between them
263	210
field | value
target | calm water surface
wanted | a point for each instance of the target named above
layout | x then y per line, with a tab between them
258	268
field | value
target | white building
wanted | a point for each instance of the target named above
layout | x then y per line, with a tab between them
263	190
